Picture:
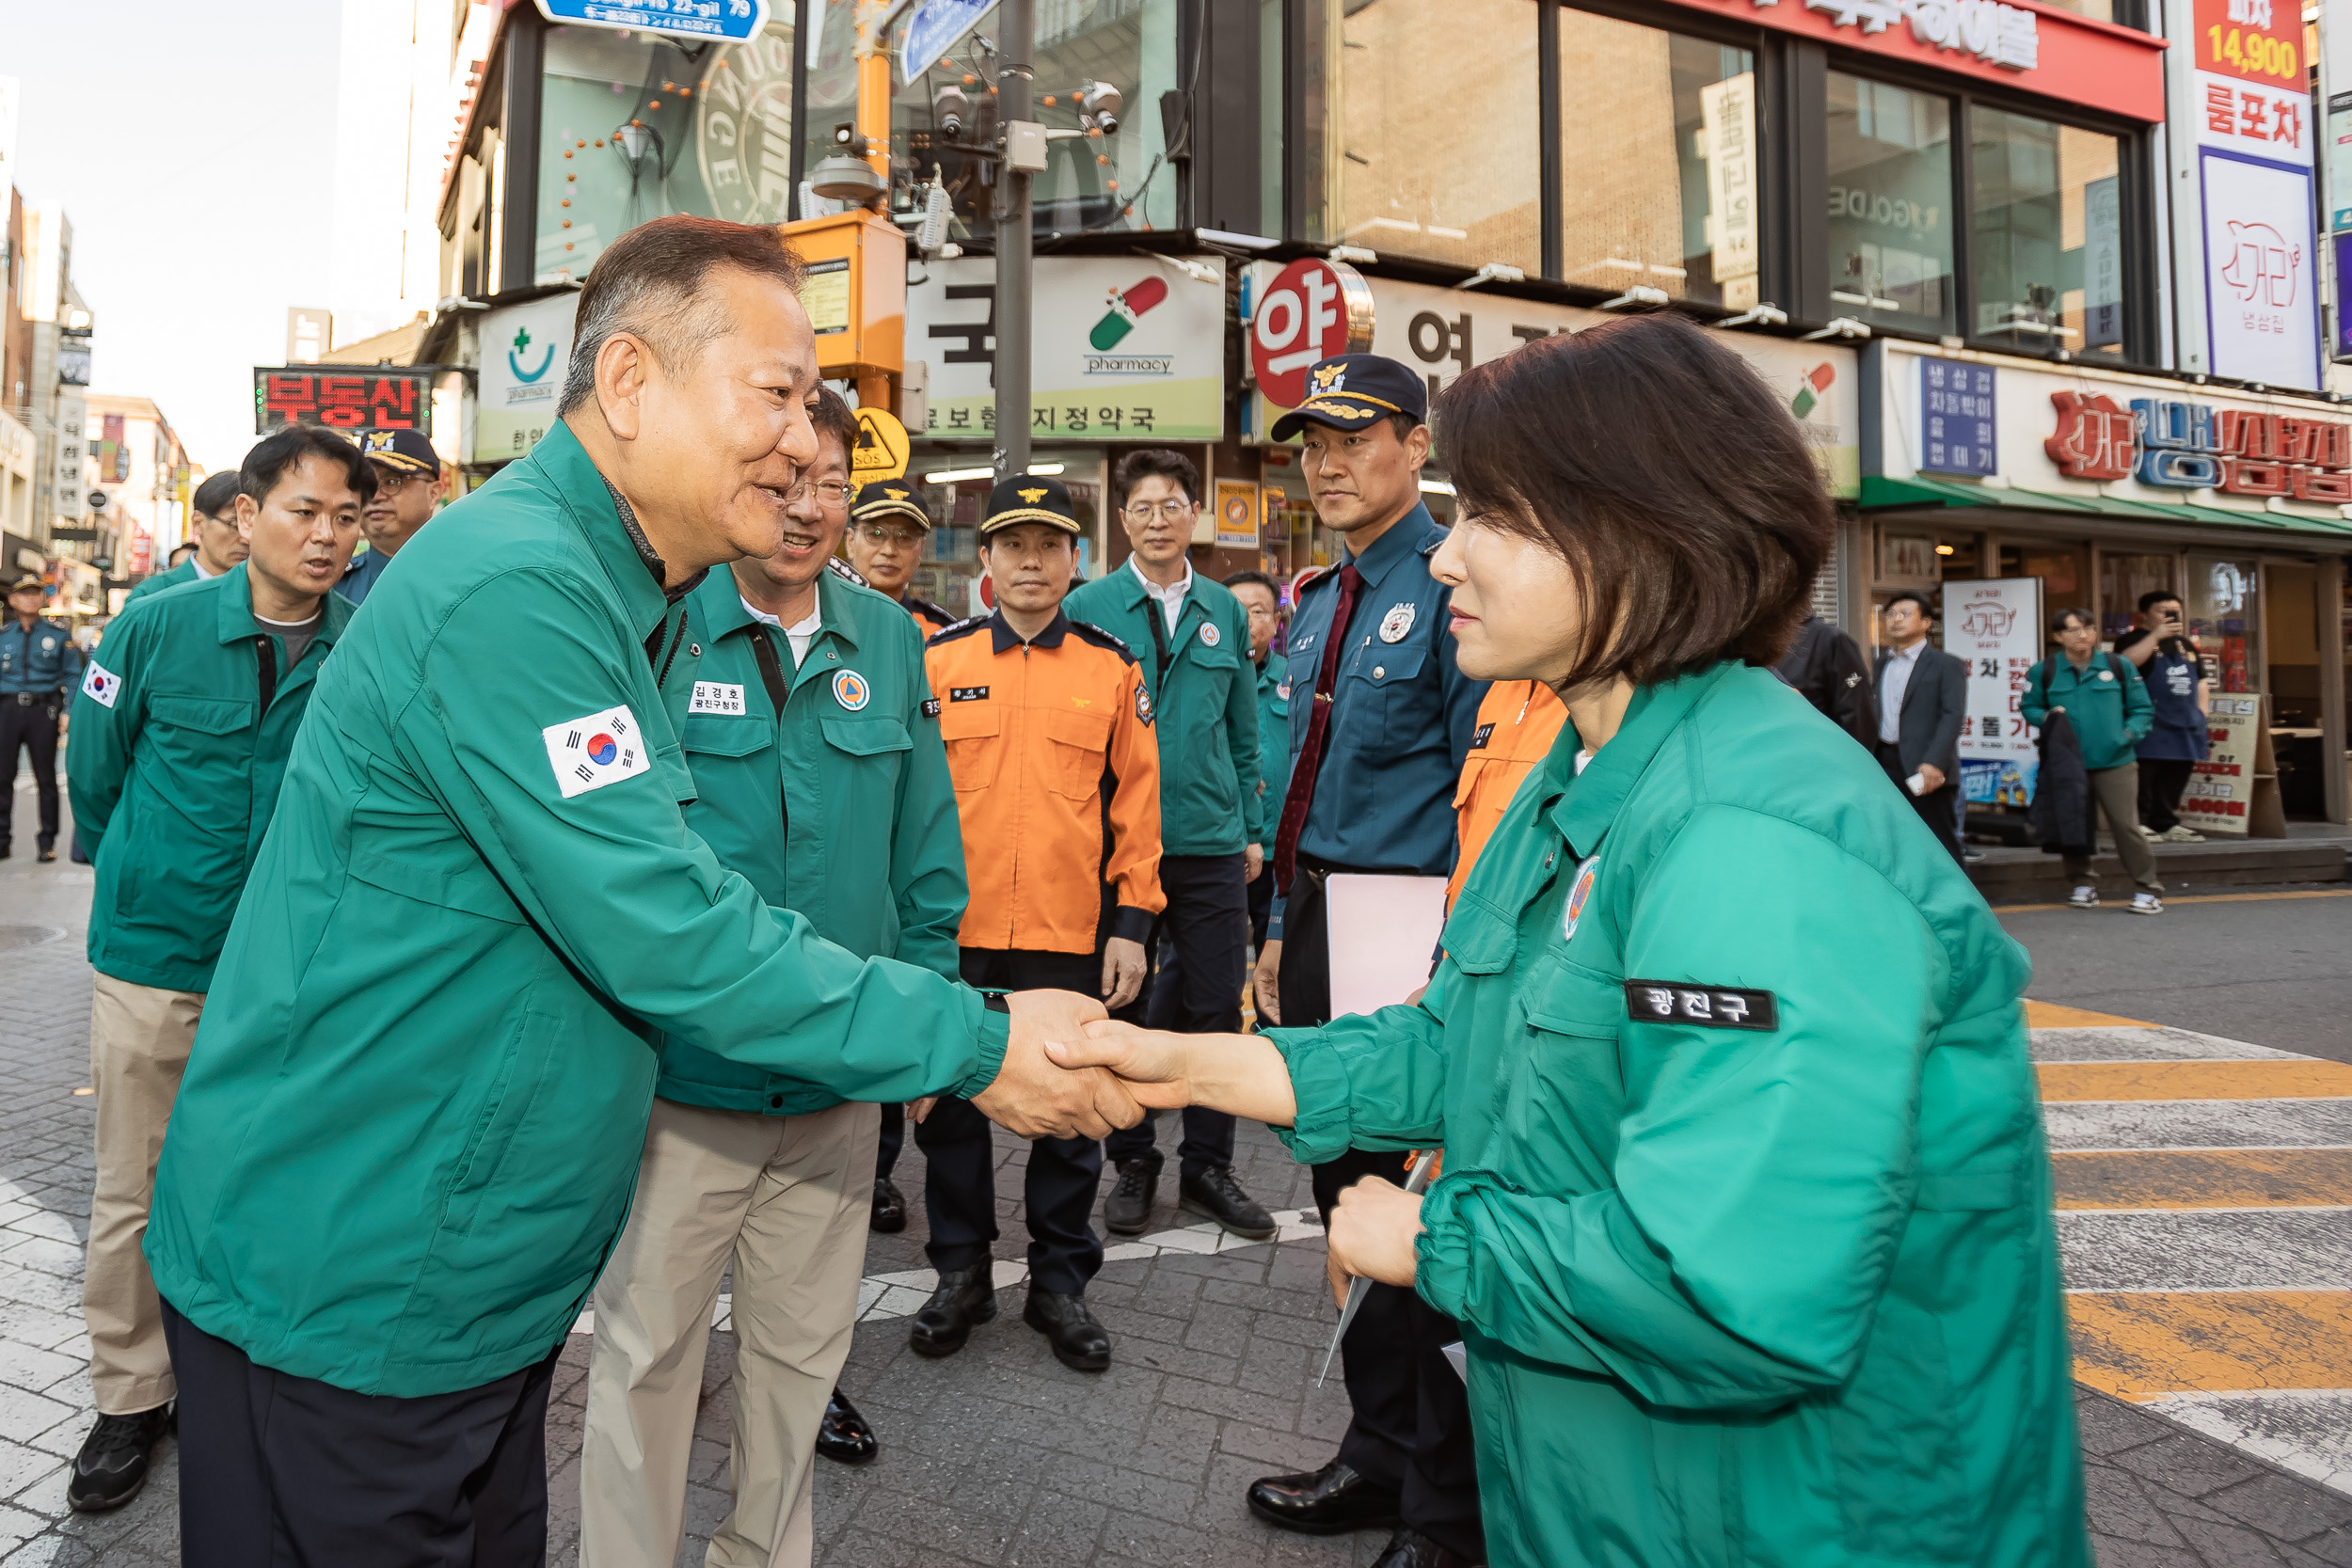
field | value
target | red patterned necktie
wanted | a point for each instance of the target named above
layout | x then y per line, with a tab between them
1302	790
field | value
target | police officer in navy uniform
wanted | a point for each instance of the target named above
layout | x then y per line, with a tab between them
38	663
1381	720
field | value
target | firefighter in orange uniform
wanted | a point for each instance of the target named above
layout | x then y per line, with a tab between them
1049	737
1517	724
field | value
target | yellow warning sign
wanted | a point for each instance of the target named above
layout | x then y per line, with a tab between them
882	447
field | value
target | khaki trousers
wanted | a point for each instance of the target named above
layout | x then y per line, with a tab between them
139	1047
788	1199
2117	790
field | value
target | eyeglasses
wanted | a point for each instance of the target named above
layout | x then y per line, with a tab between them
878	536
1175	511
830	493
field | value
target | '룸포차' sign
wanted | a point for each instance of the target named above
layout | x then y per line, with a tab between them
376	398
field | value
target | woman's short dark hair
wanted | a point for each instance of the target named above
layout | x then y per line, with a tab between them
218	495
1655	463
832	416
281	449
2080	616
1154	462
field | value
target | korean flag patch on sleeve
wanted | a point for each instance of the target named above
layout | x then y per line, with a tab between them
596	750
100	685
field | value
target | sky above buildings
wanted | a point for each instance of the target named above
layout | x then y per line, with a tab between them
193	151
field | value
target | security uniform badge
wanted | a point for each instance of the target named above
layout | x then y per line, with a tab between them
1580	892
1210	636
1143	703
1709	1006
1396	623
1282	690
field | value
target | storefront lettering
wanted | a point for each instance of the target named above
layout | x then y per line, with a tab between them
2005	36
2176	445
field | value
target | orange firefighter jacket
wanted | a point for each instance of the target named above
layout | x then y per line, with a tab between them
1057	784
1517	724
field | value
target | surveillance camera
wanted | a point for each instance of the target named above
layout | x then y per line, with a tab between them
951	112
1101	101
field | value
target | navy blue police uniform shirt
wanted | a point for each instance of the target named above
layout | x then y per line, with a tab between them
37	662
1401	713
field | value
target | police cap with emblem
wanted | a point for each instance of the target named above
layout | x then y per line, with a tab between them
403	451
1030	498
1350	392
27	581
889	498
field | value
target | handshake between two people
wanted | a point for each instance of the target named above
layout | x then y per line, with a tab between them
1071	1071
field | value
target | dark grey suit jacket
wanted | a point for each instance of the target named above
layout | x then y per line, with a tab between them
1935	703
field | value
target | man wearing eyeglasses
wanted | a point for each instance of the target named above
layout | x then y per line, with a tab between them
1192	637
886	534
408	482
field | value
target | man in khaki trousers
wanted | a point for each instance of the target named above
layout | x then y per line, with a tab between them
822	779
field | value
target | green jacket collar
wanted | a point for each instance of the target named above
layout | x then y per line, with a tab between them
1585	805
1415	534
637	575
235	622
724	611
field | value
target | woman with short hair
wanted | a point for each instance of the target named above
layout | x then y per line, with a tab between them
1746	1208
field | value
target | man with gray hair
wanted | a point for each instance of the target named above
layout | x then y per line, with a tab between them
413	1115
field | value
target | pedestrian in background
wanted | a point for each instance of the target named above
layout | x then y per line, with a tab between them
1263	602
1921	693
1048	726
408	491
183	729
888	529
38	665
1828	670
819	777
2106	701
218	544
1191	637
2180	702
1381	722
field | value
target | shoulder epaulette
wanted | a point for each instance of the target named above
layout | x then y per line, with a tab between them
964	628
1101	638
846	572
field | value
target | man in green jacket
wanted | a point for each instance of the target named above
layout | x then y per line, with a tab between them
214	529
415	1113
181	731
2104	698
1192	637
820	775
1261	601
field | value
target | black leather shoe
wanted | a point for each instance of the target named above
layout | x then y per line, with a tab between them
112	1465
1410	1548
46	855
1324	1502
1079	1342
843	1435
1128	1210
965	1298
890	1207
1215	1194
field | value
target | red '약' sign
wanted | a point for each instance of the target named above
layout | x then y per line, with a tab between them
378	397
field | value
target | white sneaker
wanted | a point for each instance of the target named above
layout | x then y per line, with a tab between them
2182	833
2147	903
2084	898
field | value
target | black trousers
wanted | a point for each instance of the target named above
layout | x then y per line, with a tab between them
31	726
278	1472
1936	808
1410	1430
1196	992
1261	903
2161	782
1064	1175
894	1138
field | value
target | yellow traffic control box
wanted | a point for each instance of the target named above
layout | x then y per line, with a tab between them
857	293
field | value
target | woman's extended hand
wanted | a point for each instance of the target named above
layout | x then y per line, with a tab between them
1152	1062
1372	1231
1242	1074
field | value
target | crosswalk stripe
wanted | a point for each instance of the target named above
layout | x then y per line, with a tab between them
2295	1078
2203	1179
2139	1345
2199	1249
2163	1124
2148	1045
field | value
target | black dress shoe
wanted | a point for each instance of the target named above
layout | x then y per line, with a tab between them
1128	1210
112	1465
45	856
890	1207
966	1297
1410	1548
1215	1194
1079	1342
843	1435
1324	1502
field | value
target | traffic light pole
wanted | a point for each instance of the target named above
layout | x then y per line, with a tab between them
1016	48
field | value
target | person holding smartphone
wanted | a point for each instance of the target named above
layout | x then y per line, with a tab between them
2177	738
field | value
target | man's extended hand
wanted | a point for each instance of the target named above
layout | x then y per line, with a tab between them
1036	1099
1124	966
1268	982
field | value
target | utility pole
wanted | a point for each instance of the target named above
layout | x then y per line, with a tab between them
1024	153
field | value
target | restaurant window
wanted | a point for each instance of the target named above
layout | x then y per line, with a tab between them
2048	240
1660	176
1438	121
1890	204
2222	598
2123	578
634	127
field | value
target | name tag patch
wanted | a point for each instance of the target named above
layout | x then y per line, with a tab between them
717	697
595	750
1484	733
930	707
1713	1006
100	685
967	693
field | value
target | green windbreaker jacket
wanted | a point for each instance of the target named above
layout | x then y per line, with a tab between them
2107	703
1746	1207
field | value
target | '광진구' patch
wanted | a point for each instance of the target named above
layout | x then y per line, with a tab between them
1709	1006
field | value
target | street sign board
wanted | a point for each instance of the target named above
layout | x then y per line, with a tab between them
881	446
934	25
1312	310
376	397
732	20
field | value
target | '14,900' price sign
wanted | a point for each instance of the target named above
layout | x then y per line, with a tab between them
377	398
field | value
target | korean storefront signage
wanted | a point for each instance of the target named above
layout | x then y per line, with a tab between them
1161	379
74	356
72	451
2253	92
1237	515
2000	34
1994	628
2174	444
1959	432
1309	311
2221	792
112	451
728	20
1727	114
2261	271
376	398
524	351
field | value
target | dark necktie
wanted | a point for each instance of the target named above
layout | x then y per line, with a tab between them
1302	790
